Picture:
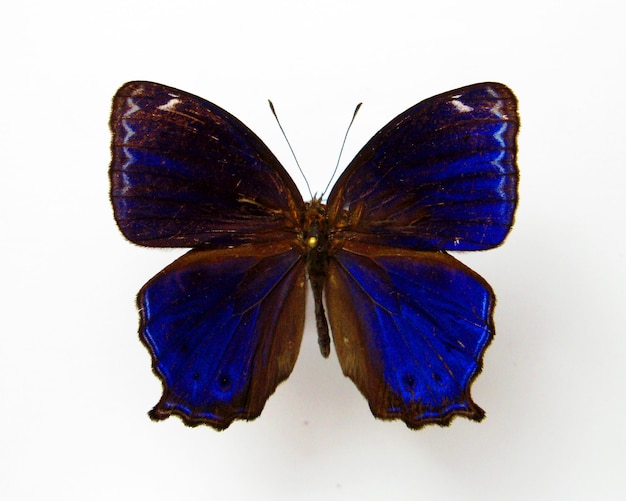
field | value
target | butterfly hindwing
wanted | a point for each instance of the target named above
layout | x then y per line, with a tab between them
410	329
186	172
224	329
440	176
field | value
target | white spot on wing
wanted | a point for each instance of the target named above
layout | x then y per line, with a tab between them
128	131
129	158
498	110
132	107
498	136
170	105
460	106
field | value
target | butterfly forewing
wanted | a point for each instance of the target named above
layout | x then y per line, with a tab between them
440	176
185	172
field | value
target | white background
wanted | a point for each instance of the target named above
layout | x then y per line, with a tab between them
75	382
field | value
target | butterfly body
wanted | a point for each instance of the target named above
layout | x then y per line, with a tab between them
318	252
223	323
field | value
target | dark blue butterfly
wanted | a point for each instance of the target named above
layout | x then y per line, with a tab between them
224	322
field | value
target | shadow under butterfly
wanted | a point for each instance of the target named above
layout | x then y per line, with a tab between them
224	322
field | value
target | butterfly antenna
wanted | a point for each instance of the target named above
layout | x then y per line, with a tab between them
289	144
345	137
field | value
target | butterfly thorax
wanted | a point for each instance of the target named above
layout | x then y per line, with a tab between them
316	242
315	237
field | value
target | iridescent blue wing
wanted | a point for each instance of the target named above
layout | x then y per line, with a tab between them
224	322
410	329
224	329
185	172
440	176
410	323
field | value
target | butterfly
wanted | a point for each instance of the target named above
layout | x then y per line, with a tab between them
224	323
